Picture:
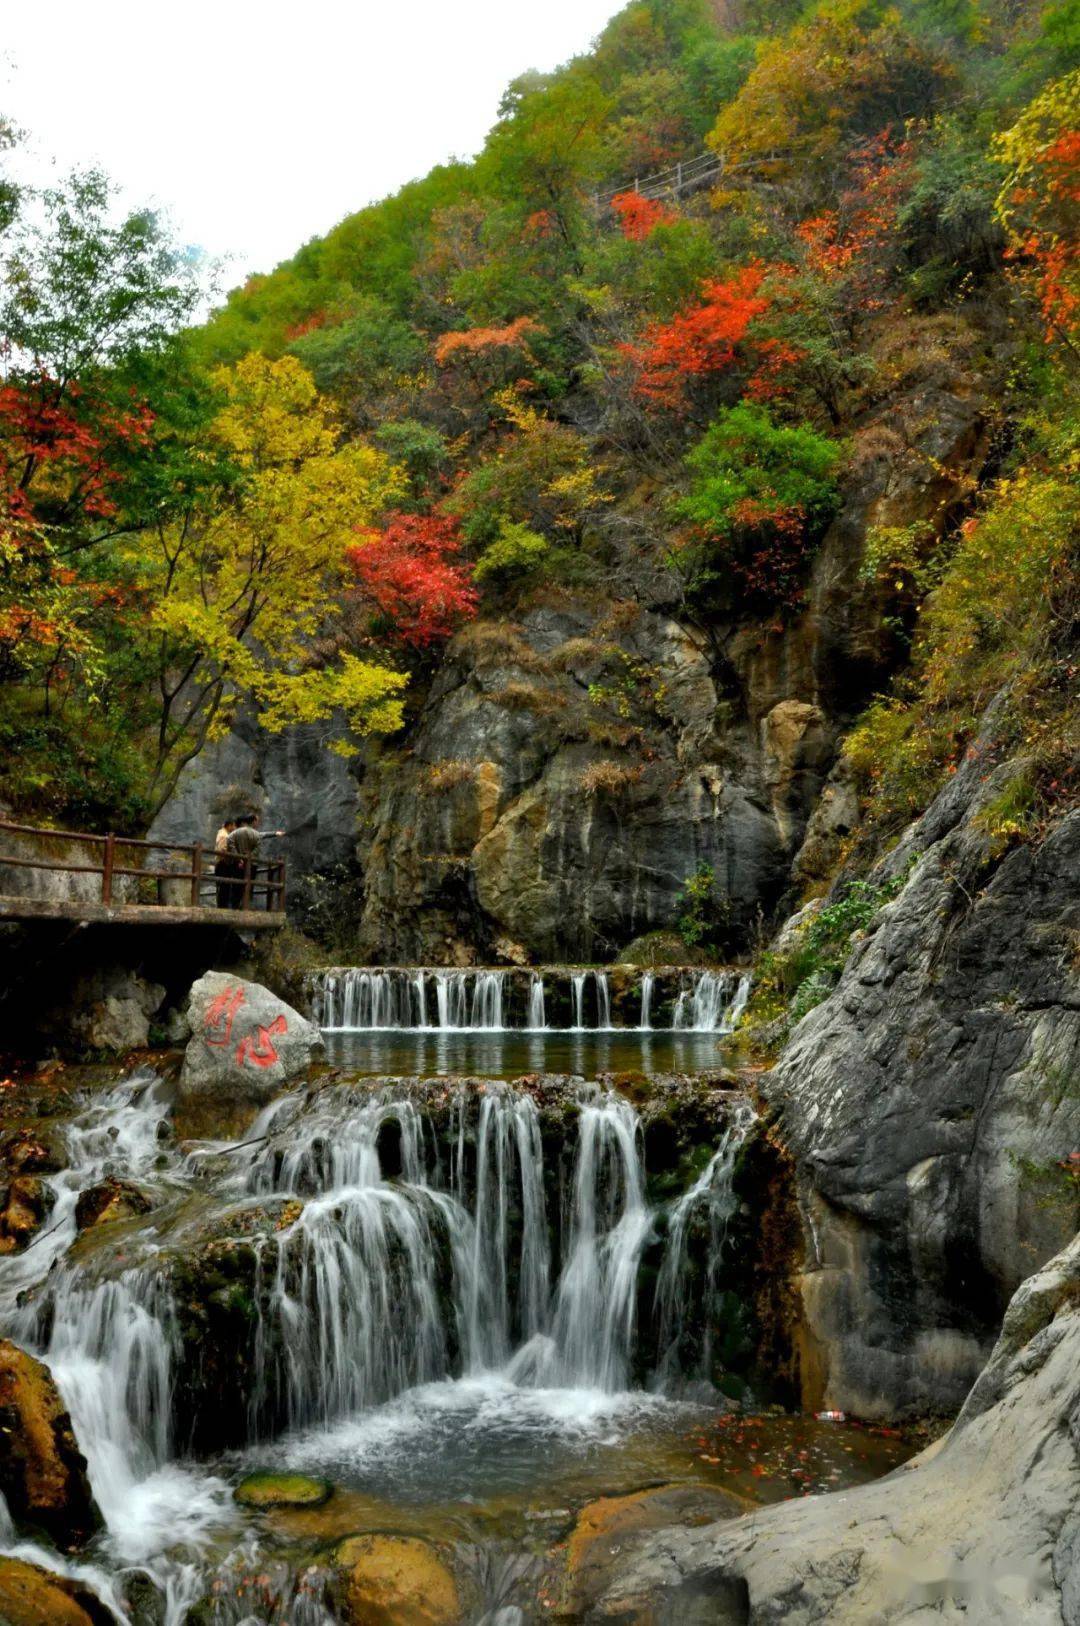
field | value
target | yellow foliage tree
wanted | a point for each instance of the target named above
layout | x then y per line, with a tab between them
240	590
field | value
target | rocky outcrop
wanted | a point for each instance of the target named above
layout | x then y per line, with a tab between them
930	1105
110	1009
983	1526
32	1596
42	1471
24	1207
564	781
109	1200
246	1044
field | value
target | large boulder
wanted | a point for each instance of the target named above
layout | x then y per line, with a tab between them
983	1527
246	1044
42	1471
387	1580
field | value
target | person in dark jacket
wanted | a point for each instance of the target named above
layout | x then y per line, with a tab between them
244	843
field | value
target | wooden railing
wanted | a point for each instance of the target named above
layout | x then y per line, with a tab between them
685	176
186	877
688	175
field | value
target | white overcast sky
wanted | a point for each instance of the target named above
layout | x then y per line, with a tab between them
256	126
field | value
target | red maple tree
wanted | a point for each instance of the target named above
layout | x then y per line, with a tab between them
705	338
408	573
639	216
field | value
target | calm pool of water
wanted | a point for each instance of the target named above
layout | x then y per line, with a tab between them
509	1053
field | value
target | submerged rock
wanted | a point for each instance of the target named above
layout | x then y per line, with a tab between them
983	1526
31	1596
282	1490
246	1044
388	1580
42	1471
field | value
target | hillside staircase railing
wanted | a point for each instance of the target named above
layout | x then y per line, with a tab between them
166	874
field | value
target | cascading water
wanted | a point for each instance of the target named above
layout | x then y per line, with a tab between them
710	1199
497	1001
406	1255
713	1005
645	1023
536	1018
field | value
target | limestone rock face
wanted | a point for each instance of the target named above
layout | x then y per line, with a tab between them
984	1526
42	1471
111	1009
927	1106
246	1044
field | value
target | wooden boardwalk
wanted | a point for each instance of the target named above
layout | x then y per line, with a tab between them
123	881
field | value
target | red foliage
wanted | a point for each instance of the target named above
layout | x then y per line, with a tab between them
73	438
408	575
849	245
1050	243
474	341
306	324
702	340
769	558
639	216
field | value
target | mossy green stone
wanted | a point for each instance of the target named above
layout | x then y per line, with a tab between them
282	1490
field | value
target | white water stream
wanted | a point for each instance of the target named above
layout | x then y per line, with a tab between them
358	1000
416	1266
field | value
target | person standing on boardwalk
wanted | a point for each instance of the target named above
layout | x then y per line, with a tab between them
227	865
244	843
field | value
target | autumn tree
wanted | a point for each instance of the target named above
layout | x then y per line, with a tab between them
411	581
760	496
240	589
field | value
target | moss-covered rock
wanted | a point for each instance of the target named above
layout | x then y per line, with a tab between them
388	1580
24	1207
282	1490
30	1596
42	1470
110	1200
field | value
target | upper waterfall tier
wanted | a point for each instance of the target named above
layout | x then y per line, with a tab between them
548	998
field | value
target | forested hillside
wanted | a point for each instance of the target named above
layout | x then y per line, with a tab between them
685	518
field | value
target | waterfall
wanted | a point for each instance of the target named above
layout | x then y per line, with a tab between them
712	1005
711	1198
536	1021
119	1133
422	1243
487	1000
592	1326
481	1000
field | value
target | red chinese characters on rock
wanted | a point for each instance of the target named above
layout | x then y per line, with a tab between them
254	1049
217	1029
259	1050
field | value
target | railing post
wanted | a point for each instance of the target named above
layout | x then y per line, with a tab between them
678	178
107	868
196	875
245	900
